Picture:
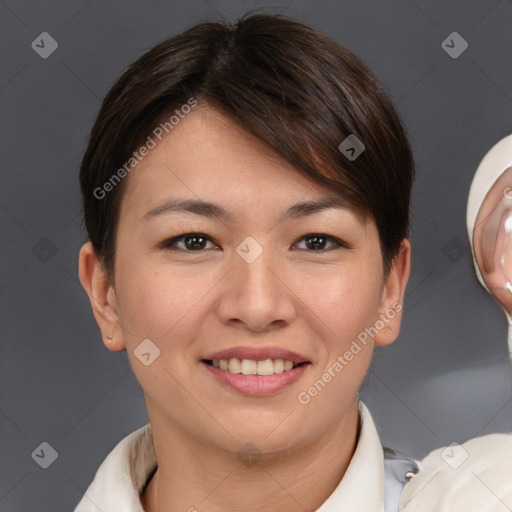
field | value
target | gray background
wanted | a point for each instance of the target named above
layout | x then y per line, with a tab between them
445	379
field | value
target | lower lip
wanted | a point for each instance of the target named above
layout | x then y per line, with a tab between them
257	385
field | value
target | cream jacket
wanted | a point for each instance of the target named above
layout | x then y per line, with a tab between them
475	476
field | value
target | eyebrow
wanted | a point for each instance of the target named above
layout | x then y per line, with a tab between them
213	210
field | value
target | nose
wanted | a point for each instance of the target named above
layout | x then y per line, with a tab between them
257	294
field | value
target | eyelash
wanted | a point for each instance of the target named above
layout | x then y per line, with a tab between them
170	243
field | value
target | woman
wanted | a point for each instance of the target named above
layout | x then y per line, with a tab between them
246	195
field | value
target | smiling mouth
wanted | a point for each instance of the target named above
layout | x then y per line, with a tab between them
253	367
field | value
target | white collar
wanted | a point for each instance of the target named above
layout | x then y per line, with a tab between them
124	472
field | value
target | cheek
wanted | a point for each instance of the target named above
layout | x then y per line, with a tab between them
156	305
344	308
152	303
346	300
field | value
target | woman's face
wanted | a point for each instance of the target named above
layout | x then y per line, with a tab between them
251	286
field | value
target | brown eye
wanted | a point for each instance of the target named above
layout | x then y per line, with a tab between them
318	242
192	242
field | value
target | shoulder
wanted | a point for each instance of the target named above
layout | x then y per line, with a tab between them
472	476
121	475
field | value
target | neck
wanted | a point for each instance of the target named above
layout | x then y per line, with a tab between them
193	475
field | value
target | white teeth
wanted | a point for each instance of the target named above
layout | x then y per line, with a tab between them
253	367
278	366
249	367
234	365
265	367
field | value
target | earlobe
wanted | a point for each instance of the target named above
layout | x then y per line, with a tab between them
393	295
102	296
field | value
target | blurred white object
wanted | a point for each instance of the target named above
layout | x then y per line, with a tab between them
497	160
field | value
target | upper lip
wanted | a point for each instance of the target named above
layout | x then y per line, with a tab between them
257	354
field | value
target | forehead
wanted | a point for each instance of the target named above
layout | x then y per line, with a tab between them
207	146
209	157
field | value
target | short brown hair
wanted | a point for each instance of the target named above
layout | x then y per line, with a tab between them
293	87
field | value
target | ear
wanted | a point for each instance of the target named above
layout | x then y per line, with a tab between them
393	295
102	296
